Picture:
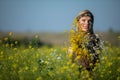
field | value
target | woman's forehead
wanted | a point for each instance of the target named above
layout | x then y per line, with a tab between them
86	17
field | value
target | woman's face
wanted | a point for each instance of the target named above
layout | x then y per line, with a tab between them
85	23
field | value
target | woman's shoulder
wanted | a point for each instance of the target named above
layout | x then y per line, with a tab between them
99	40
96	36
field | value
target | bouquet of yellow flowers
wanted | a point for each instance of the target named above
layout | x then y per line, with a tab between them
85	48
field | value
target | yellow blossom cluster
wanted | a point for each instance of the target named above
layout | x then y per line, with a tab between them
78	42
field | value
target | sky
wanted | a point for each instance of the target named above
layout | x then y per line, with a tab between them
56	15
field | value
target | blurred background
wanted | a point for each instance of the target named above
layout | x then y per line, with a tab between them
51	20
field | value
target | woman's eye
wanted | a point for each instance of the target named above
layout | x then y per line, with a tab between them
90	21
83	20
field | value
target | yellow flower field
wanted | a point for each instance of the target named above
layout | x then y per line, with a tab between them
53	63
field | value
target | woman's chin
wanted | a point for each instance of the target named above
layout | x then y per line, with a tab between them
85	30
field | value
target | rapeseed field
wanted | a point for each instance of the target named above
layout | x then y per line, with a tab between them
53	63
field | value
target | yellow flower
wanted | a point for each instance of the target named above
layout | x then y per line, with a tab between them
6	38
10	57
68	63
51	74
1	55
91	64
39	78
118	58
109	71
119	37
46	62
16	42
85	51
34	69
70	55
118	78
90	78
10	33
77	58
1	52
73	65
65	68
26	67
109	63
11	45
118	69
14	66
30	46
15	49
36	36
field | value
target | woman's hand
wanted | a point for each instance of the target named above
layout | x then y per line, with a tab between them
70	51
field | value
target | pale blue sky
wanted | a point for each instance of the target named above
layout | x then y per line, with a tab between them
56	15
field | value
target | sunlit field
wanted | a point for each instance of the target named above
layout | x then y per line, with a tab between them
33	62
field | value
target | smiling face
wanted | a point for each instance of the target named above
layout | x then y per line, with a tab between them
85	23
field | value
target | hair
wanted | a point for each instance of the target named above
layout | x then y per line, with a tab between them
82	14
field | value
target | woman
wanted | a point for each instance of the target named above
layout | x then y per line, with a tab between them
85	45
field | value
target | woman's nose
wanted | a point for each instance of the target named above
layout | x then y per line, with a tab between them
86	22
